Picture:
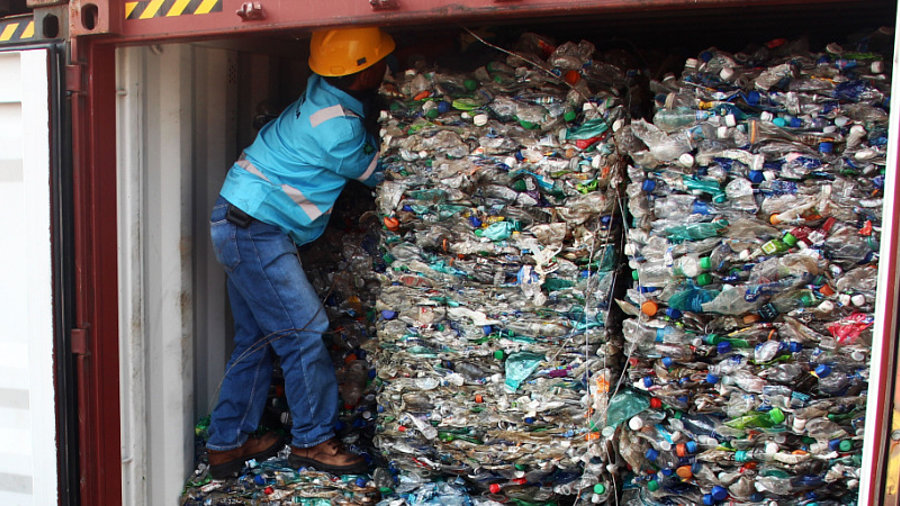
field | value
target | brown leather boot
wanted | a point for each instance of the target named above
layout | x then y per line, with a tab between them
329	456
227	463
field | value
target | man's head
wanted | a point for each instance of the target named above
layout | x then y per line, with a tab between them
352	57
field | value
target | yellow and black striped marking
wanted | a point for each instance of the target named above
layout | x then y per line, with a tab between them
16	30
146	9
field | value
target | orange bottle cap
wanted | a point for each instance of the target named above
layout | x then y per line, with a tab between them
649	308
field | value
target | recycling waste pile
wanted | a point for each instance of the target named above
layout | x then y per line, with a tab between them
500	205
556	301
756	210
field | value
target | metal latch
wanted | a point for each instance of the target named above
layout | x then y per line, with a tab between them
383	4
251	11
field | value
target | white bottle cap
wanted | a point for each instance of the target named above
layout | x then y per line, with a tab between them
618	124
636	423
844	299
726	73
730	120
766	116
686	160
480	119
799	424
877	67
691	63
722	132
858	300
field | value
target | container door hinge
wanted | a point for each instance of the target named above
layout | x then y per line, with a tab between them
75	78
78	340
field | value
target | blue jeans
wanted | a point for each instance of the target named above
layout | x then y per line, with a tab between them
276	310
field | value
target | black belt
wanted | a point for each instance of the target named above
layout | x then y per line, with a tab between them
238	217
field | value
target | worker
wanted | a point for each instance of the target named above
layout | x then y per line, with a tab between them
276	197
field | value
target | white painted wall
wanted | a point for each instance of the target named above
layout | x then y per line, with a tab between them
28	456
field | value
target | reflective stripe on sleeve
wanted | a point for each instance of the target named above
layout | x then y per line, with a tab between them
323	115
297	196
370	169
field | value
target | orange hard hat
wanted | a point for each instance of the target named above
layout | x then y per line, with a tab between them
343	51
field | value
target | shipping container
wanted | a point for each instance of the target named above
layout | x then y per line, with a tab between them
119	121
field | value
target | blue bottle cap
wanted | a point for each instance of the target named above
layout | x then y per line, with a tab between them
648	381
779	122
443	106
708	500
723	347
651	454
259	479
474	221
719	493
487	329
361	482
648	185
673	313
667	362
823	371
706	56
372	374
700	207
795	346
796	123
712	378
826	147
387	314
691	447
740	456
756	176
529	419
834	445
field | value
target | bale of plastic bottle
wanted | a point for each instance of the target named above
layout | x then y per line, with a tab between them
501	236
755	212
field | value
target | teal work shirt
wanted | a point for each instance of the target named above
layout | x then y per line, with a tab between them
295	170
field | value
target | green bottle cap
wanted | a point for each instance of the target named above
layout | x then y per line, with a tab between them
846	445
776	415
635	275
653	485
705	263
520	467
432	113
712	339
527	125
807	299
599	488
704	279
470	84
498	354
570	116
789	239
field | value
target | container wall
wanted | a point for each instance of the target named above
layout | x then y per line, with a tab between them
27	419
